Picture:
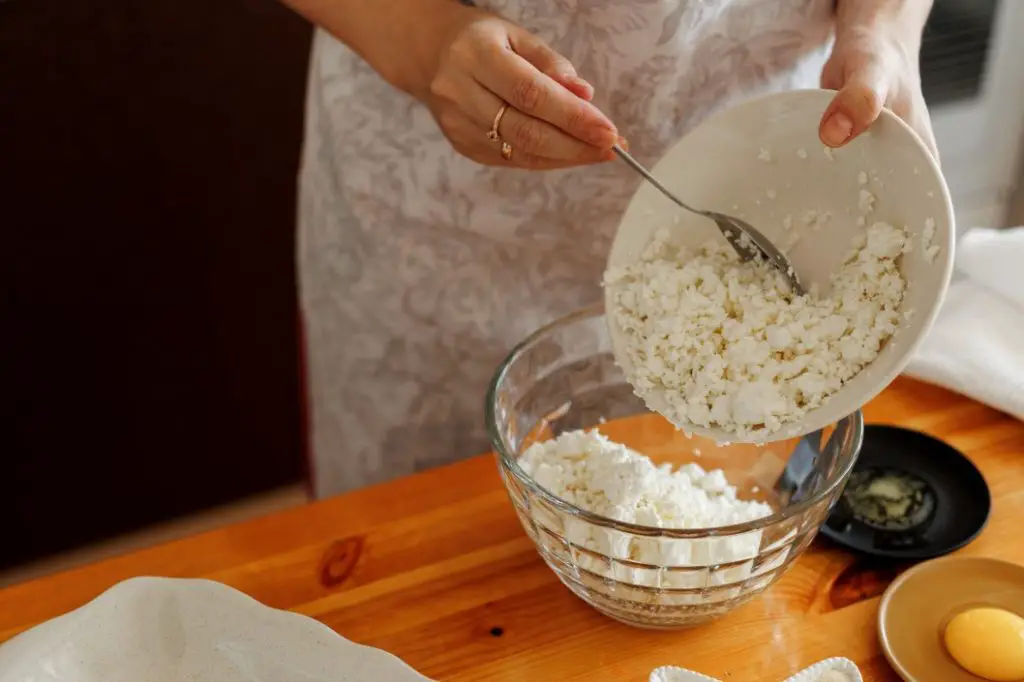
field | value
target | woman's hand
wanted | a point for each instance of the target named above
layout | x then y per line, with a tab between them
875	63
483	62
464	64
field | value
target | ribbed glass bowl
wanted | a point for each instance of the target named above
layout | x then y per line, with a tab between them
563	378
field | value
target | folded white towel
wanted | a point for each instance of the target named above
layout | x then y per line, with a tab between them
976	346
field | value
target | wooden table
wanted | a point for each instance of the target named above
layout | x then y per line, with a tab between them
436	569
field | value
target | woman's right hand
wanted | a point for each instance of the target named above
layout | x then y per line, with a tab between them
483	61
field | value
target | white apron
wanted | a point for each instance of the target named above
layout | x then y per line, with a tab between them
419	269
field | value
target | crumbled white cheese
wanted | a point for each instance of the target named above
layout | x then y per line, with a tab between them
816	219
770	193
802	153
591	472
787	223
829	153
927	236
764	155
862	178
594	473
866	201
725	344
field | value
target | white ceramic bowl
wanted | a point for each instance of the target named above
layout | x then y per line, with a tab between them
718	166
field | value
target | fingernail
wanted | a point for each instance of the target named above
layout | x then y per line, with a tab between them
601	136
624	143
576	85
586	90
837	129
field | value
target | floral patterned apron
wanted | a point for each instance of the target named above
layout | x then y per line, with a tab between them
419	269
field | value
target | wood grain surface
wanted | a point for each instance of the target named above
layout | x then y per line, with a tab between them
436	569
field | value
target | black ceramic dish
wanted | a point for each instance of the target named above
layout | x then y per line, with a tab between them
910	496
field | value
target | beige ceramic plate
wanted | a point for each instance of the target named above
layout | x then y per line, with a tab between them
717	167
918	605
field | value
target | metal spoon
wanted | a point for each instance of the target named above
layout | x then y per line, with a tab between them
741	235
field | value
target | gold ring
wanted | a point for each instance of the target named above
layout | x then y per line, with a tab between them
506	151
493	135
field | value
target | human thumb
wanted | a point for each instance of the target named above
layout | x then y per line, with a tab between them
547	61
855	107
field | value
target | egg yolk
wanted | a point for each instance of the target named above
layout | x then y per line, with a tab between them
988	642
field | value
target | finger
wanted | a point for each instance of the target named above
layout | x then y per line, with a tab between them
540	163
855	107
832	75
533	136
578	87
547	61
469	140
489	154
526	134
537	163
536	94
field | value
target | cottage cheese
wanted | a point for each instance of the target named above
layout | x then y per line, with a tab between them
927	236
725	344
589	471
866	202
594	473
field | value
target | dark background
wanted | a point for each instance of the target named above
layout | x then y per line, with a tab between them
148	156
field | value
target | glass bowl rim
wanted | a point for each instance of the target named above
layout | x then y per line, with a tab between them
510	462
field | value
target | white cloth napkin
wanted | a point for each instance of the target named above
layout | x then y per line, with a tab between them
976	346
829	670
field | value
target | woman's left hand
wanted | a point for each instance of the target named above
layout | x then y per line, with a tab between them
874	64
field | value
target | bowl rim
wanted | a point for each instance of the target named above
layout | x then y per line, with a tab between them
509	461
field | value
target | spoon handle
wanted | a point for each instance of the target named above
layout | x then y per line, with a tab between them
638	167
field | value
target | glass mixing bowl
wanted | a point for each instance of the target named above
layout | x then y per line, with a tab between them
563	378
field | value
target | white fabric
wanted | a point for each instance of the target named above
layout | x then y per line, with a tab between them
420	269
976	346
